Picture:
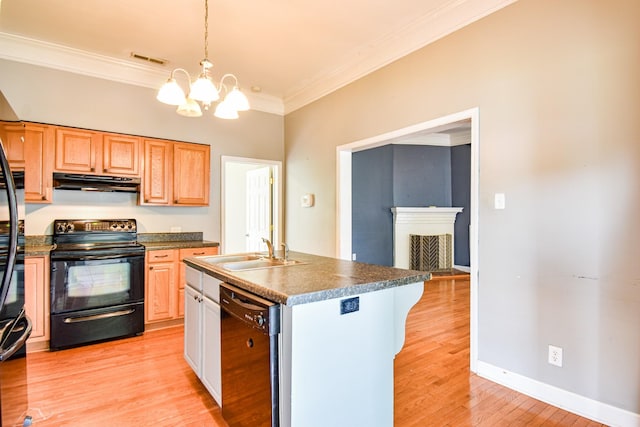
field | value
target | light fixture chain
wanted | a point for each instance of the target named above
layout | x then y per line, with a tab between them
206	29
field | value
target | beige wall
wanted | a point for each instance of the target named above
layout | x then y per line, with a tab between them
56	97
558	92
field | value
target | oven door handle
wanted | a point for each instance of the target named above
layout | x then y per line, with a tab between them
25	327
97	257
98	316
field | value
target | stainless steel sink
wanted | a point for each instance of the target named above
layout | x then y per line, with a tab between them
258	263
219	259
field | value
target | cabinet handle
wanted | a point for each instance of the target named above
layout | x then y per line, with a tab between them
92	169
151	267
198	253
161	256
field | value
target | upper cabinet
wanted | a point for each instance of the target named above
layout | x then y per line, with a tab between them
121	154
97	153
172	173
158	172
12	135
175	173
38	155
190	174
30	149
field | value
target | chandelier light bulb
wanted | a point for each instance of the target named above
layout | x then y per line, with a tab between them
204	90
237	99
189	109
171	93
224	110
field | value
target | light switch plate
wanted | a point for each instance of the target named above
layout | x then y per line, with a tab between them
307	200
499	201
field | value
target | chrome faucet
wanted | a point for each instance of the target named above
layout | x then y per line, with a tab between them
285	247
269	246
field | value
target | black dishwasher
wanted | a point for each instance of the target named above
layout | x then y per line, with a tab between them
249	354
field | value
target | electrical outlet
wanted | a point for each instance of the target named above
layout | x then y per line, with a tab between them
353	256
555	355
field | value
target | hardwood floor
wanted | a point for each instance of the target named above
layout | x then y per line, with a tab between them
145	381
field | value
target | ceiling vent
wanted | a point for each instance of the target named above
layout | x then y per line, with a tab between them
148	59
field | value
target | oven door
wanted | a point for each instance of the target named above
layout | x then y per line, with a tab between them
95	281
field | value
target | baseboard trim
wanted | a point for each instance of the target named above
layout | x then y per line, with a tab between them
463	268
583	406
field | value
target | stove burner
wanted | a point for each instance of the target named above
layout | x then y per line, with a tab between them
86	235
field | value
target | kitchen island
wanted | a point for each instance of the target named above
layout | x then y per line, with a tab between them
341	325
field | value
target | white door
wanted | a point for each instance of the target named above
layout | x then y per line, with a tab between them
259	217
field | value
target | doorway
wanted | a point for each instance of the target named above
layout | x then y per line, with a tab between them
251	204
344	196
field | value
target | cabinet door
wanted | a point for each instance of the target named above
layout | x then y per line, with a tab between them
78	150
192	332
211	367
191	174
36	290
160	301
38	154
12	135
121	155
158	172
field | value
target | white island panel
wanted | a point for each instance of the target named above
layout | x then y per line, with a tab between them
337	369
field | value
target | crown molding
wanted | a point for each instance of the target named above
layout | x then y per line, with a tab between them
422	31
50	55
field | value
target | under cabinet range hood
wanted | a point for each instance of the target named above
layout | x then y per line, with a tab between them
71	181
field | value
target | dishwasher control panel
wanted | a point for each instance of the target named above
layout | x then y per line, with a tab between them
252	309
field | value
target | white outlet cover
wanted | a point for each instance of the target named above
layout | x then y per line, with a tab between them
499	201
555	356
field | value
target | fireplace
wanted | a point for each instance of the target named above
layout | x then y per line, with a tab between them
428	224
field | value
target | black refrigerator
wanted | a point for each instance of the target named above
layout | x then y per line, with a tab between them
15	326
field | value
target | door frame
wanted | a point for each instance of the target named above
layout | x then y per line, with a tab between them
277	205
344	200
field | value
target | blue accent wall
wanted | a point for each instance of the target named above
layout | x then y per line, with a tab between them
407	175
372	199
461	197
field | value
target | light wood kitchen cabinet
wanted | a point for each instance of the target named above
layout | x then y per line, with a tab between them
158	172
165	281
96	153
161	285
38	155
78	151
186	253
36	288
121	154
12	135
175	173
190	174
31	144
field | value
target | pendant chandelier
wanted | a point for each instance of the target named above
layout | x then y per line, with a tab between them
203	91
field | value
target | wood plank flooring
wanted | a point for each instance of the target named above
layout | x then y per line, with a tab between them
144	381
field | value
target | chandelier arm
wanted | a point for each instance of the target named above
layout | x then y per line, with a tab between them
185	72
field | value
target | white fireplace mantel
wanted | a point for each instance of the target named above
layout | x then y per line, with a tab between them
422	221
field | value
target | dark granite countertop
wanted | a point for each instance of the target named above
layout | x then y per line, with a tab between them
319	278
154	246
40	245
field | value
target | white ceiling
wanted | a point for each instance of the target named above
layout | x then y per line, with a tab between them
294	51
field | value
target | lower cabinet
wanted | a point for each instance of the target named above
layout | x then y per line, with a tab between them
165	282
202	329
36	295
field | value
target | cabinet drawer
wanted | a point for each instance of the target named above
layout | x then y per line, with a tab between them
191	252
211	287
166	255
193	278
